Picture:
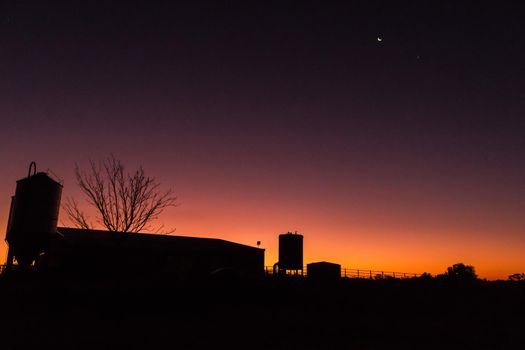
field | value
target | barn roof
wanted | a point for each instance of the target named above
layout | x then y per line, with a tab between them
85	238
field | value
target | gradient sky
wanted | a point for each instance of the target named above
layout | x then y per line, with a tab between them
403	154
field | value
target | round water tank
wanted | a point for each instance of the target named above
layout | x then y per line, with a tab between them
34	216
290	251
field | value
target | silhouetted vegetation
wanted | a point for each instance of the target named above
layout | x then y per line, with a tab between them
517	277
461	273
125	202
425	276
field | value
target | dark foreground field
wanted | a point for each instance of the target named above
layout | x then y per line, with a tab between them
43	312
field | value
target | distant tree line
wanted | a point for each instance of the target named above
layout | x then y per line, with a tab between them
459	273
465	274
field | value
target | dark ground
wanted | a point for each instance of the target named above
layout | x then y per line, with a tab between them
48	313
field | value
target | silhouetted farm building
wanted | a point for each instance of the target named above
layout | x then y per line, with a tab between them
33	237
323	271
179	256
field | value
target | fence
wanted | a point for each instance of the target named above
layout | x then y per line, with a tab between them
345	273
353	273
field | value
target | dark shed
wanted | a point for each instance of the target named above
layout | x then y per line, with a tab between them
323	271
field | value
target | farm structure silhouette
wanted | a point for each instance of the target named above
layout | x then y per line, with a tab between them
35	240
209	293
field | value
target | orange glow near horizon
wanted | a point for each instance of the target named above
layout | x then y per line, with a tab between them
354	236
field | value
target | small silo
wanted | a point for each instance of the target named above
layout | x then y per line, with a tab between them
290	252
33	216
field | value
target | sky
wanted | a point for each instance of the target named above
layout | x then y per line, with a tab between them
390	134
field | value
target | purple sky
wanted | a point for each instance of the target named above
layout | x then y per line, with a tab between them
277	117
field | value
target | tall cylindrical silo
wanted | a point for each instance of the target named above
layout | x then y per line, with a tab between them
290	251
33	217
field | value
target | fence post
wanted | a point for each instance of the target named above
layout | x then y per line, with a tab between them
382	275
370	274
357	273
394	274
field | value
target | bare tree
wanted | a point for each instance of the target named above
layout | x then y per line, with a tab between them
124	202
